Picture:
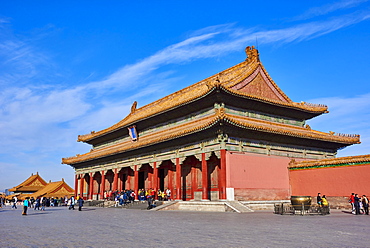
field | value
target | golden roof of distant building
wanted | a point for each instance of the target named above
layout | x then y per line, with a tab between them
331	162
31	184
54	189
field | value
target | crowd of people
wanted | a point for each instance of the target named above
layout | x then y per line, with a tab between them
360	205
40	203
321	200
125	197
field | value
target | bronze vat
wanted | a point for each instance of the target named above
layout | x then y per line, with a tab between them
299	201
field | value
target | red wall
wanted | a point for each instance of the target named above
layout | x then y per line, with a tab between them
334	181
257	177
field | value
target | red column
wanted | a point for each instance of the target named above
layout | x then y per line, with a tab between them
128	179
194	183
91	188
204	177
82	181
136	180
178	179
155	177
76	185
102	185
150	178
170	181
222	181
115	180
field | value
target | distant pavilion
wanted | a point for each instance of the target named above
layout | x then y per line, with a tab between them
35	186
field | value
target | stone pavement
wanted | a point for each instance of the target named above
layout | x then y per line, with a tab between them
113	227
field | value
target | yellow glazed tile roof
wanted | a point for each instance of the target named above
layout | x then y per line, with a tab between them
207	122
227	80
330	161
54	189
33	183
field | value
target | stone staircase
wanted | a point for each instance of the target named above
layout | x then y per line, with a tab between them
238	207
211	206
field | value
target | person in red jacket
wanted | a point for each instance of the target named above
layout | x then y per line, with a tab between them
352	202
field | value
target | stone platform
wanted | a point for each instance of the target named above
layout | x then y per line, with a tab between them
204	206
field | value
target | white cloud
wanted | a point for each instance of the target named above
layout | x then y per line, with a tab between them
329	8
217	41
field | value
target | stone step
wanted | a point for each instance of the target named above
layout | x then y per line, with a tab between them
214	206
239	207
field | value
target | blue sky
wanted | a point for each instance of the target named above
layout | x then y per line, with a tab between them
73	67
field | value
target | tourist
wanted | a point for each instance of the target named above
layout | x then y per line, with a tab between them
318	199
168	194
365	204
150	202
32	201
43	203
153	194
148	193
132	196
15	200
80	202
159	195
116	201
26	204
357	204
361	207
351	200
37	204
141	195
324	201
121	199
125	197
72	203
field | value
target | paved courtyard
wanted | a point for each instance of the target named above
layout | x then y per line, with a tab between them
110	227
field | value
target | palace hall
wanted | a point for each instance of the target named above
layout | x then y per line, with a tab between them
231	136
